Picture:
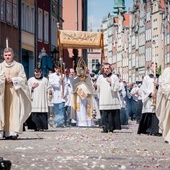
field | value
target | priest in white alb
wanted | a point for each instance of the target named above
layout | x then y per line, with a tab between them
2	88
83	104
163	104
17	101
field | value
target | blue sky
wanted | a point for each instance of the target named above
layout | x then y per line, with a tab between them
97	9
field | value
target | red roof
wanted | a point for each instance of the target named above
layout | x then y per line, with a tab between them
116	20
162	4
126	21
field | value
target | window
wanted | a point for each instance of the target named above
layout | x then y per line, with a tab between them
168	38
130	48
54	31
94	64
155	24
22	18
137	45
2	7
148	17
15	13
46	26
133	60
27	18
32	20
133	40
130	64
9	11
40	24
114	59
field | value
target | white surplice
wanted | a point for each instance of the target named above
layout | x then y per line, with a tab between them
39	95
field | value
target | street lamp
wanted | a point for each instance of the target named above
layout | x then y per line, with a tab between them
55	55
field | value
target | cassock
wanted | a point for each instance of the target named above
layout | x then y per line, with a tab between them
39	98
163	104
149	121
17	101
109	103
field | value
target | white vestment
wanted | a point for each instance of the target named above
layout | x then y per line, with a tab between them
147	89
17	99
57	87
39	95
108	93
83	101
163	104
2	88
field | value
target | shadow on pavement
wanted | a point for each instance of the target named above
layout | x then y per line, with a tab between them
38	138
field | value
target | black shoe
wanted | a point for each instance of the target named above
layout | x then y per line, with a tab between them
104	131
8	138
157	134
14	137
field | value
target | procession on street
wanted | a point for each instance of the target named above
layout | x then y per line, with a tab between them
76	100
80	90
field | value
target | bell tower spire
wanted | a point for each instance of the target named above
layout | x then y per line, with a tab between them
119	5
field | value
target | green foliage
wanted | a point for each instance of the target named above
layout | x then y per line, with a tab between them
159	70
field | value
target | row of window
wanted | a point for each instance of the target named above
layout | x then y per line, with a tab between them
9	11
9	14
167	58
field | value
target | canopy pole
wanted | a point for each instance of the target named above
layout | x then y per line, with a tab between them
102	47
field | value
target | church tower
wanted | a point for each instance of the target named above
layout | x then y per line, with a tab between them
119	5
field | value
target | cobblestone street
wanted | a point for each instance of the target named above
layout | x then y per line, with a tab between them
85	149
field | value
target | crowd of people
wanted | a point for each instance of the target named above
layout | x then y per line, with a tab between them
78	98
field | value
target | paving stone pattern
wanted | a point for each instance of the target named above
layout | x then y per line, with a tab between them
86	149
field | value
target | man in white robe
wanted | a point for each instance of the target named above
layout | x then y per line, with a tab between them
17	99
83	99
82	105
163	104
2	88
40	89
56	80
108	87
149	122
